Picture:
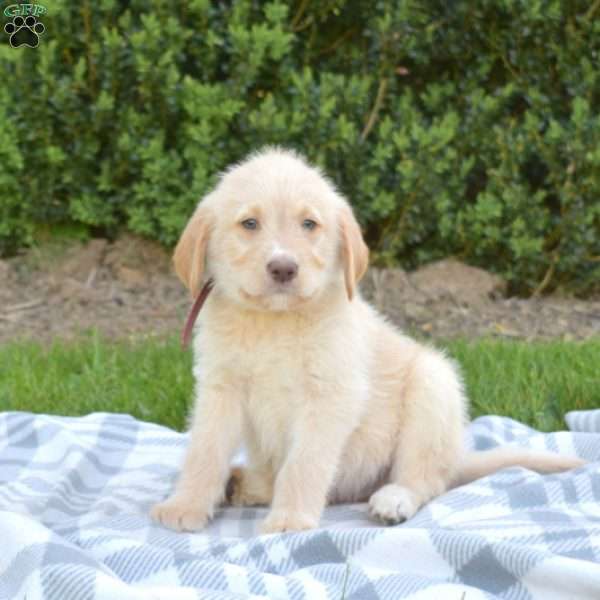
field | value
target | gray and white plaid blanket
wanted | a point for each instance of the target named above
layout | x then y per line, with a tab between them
75	495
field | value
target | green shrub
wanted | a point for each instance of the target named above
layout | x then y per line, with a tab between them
458	128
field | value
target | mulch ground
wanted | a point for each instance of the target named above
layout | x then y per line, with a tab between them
127	289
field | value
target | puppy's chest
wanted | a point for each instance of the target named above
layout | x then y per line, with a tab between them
264	355
278	386
278	378
283	374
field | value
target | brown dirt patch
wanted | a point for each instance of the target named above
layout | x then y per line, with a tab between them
122	289
127	289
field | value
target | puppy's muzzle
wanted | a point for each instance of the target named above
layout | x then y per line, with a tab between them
282	270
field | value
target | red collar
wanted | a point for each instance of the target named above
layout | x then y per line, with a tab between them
193	314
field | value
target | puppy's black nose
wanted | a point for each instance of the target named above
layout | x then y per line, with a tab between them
282	270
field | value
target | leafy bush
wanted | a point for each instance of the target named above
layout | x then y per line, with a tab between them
456	128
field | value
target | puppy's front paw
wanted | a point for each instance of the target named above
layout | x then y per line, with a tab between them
278	521
393	504
180	513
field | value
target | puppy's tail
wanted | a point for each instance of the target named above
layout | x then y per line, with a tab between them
480	464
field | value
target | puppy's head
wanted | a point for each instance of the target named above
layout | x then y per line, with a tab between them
274	234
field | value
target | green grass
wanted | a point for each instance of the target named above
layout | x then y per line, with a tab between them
151	379
536	383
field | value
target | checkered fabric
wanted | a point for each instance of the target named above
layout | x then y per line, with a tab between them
584	420
75	495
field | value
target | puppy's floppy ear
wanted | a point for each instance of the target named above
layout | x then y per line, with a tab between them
355	254
190	253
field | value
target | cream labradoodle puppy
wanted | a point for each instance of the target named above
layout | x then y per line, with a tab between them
331	402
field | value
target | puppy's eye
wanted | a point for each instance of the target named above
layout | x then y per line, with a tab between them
309	224
250	224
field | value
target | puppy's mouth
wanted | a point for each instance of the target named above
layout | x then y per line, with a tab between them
276	297
271	293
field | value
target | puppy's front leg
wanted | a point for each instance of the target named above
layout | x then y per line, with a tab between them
214	437
307	474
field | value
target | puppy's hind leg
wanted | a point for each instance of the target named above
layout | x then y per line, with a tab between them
430	440
250	486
